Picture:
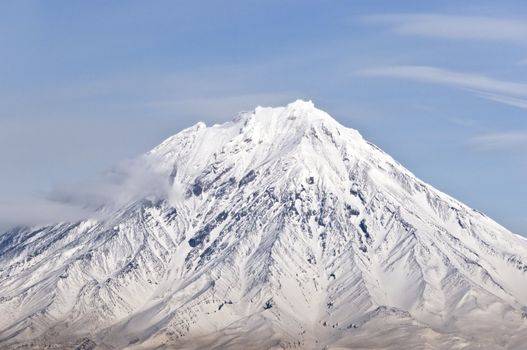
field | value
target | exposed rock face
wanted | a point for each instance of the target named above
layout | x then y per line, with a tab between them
281	229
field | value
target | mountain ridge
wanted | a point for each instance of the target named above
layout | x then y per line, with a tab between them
279	229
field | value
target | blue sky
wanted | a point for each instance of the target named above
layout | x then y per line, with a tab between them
441	86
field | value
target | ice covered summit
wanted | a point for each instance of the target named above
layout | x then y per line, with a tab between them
279	229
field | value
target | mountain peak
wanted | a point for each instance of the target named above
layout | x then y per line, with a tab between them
302	104
297	105
266	135
295	116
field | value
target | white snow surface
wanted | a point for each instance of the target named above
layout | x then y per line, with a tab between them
280	229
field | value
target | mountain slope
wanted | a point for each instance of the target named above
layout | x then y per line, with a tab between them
280	229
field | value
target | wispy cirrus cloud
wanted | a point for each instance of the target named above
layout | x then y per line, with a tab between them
509	100
500	141
452	26
446	77
502	91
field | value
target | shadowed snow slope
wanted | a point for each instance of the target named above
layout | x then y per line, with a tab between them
279	229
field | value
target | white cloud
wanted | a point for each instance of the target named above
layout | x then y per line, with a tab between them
500	141
503	91
453	26
127	182
28	210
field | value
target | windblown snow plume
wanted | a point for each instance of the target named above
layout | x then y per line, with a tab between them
279	229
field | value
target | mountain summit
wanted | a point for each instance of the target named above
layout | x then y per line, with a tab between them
279	229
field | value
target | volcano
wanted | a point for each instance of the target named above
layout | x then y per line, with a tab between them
279	229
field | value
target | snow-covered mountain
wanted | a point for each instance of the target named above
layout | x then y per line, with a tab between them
279	229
